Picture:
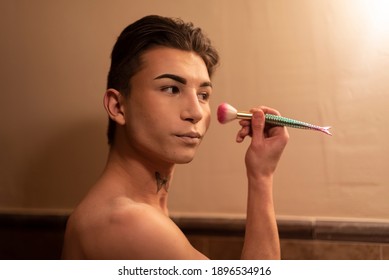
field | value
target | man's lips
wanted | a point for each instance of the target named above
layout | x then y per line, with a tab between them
190	137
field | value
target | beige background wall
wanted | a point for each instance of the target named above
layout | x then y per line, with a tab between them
322	61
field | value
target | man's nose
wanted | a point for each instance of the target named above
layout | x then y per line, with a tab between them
192	110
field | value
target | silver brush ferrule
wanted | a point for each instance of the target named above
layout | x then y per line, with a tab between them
244	115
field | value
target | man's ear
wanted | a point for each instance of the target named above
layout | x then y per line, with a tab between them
113	105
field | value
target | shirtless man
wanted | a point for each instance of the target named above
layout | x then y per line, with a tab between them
158	106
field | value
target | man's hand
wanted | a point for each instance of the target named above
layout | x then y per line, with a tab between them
267	143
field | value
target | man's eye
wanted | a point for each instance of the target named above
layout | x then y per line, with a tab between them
171	89
203	96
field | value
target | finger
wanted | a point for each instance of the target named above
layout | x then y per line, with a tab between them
258	124
242	133
268	110
271	130
245	122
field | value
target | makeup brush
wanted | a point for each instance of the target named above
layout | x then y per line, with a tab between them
227	113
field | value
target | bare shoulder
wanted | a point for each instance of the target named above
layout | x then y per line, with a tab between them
127	230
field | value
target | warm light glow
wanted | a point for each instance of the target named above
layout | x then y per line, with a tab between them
379	13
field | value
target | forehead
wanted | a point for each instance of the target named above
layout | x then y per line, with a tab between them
161	60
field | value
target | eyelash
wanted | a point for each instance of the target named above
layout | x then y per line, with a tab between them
203	96
171	89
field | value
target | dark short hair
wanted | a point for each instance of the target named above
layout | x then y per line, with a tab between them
149	32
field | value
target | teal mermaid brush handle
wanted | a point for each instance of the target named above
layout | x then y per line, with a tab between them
278	120
226	113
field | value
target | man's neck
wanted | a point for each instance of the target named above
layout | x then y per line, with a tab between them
142	180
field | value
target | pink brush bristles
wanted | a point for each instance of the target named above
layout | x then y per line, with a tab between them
226	113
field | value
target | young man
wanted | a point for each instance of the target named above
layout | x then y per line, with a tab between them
158	106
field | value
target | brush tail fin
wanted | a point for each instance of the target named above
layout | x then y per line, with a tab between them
325	130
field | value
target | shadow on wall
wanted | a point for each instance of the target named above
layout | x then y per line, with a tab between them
66	168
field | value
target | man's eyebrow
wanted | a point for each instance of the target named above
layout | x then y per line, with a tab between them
173	77
206	84
180	79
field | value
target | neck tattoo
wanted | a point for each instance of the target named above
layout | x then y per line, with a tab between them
161	182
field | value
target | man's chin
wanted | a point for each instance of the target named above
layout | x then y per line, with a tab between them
184	159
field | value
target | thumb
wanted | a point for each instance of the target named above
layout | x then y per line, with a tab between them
258	124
